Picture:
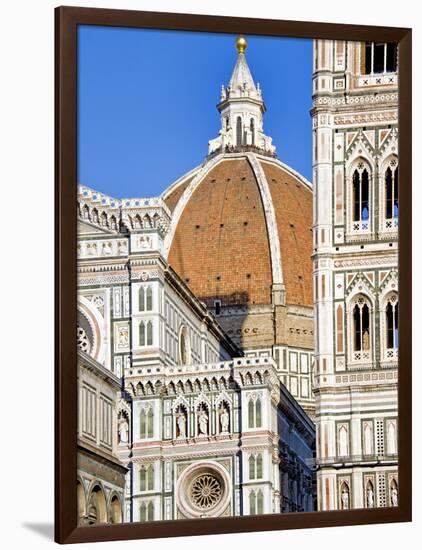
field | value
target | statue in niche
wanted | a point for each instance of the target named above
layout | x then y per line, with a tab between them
224	420
123	431
181	424
345	499
203	422
366	340
369	497
394	496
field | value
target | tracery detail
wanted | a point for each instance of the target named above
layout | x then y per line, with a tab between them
206	491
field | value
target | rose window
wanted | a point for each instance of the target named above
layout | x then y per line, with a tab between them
83	342
206	491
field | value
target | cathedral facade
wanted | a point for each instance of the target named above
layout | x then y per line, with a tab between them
356	175
199	302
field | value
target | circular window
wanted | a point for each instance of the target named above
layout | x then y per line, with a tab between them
206	491
203	490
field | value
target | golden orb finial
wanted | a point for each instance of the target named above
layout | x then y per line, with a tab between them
241	44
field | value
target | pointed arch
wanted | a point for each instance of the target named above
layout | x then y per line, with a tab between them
392	437
146	422
369	494
343	440
368	438
239	131
116	512
141	298
148	293
360	190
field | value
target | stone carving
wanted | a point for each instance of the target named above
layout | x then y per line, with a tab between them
206	491
123	337
92	249
181	424
394	496
224	420
366	340
369	497
345	499
123	431
122	247
144	242
203	422
107	250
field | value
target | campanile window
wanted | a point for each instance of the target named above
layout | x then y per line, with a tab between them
380	57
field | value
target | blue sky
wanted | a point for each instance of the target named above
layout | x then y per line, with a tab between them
147	103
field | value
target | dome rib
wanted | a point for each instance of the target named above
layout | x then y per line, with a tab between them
270	219
184	199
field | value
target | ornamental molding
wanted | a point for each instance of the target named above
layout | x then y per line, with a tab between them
101	267
390	145
101	248
355	262
104	280
360	146
143	275
356	100
390	283
360	284
166	453
365	118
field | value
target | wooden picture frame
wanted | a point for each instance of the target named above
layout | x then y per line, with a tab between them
67	20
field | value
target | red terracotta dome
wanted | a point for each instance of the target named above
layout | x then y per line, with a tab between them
241	227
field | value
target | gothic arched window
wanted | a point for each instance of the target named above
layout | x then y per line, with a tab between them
239	131
255	466
259	466
252	461
254	413
391	193
141	298
252	127
149	333
146	511
392	323
142	333
256	503
251	411
146	423
360	183
149	298
391	178
361	330
252	503
146	478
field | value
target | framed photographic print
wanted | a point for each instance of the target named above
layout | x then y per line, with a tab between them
228	263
